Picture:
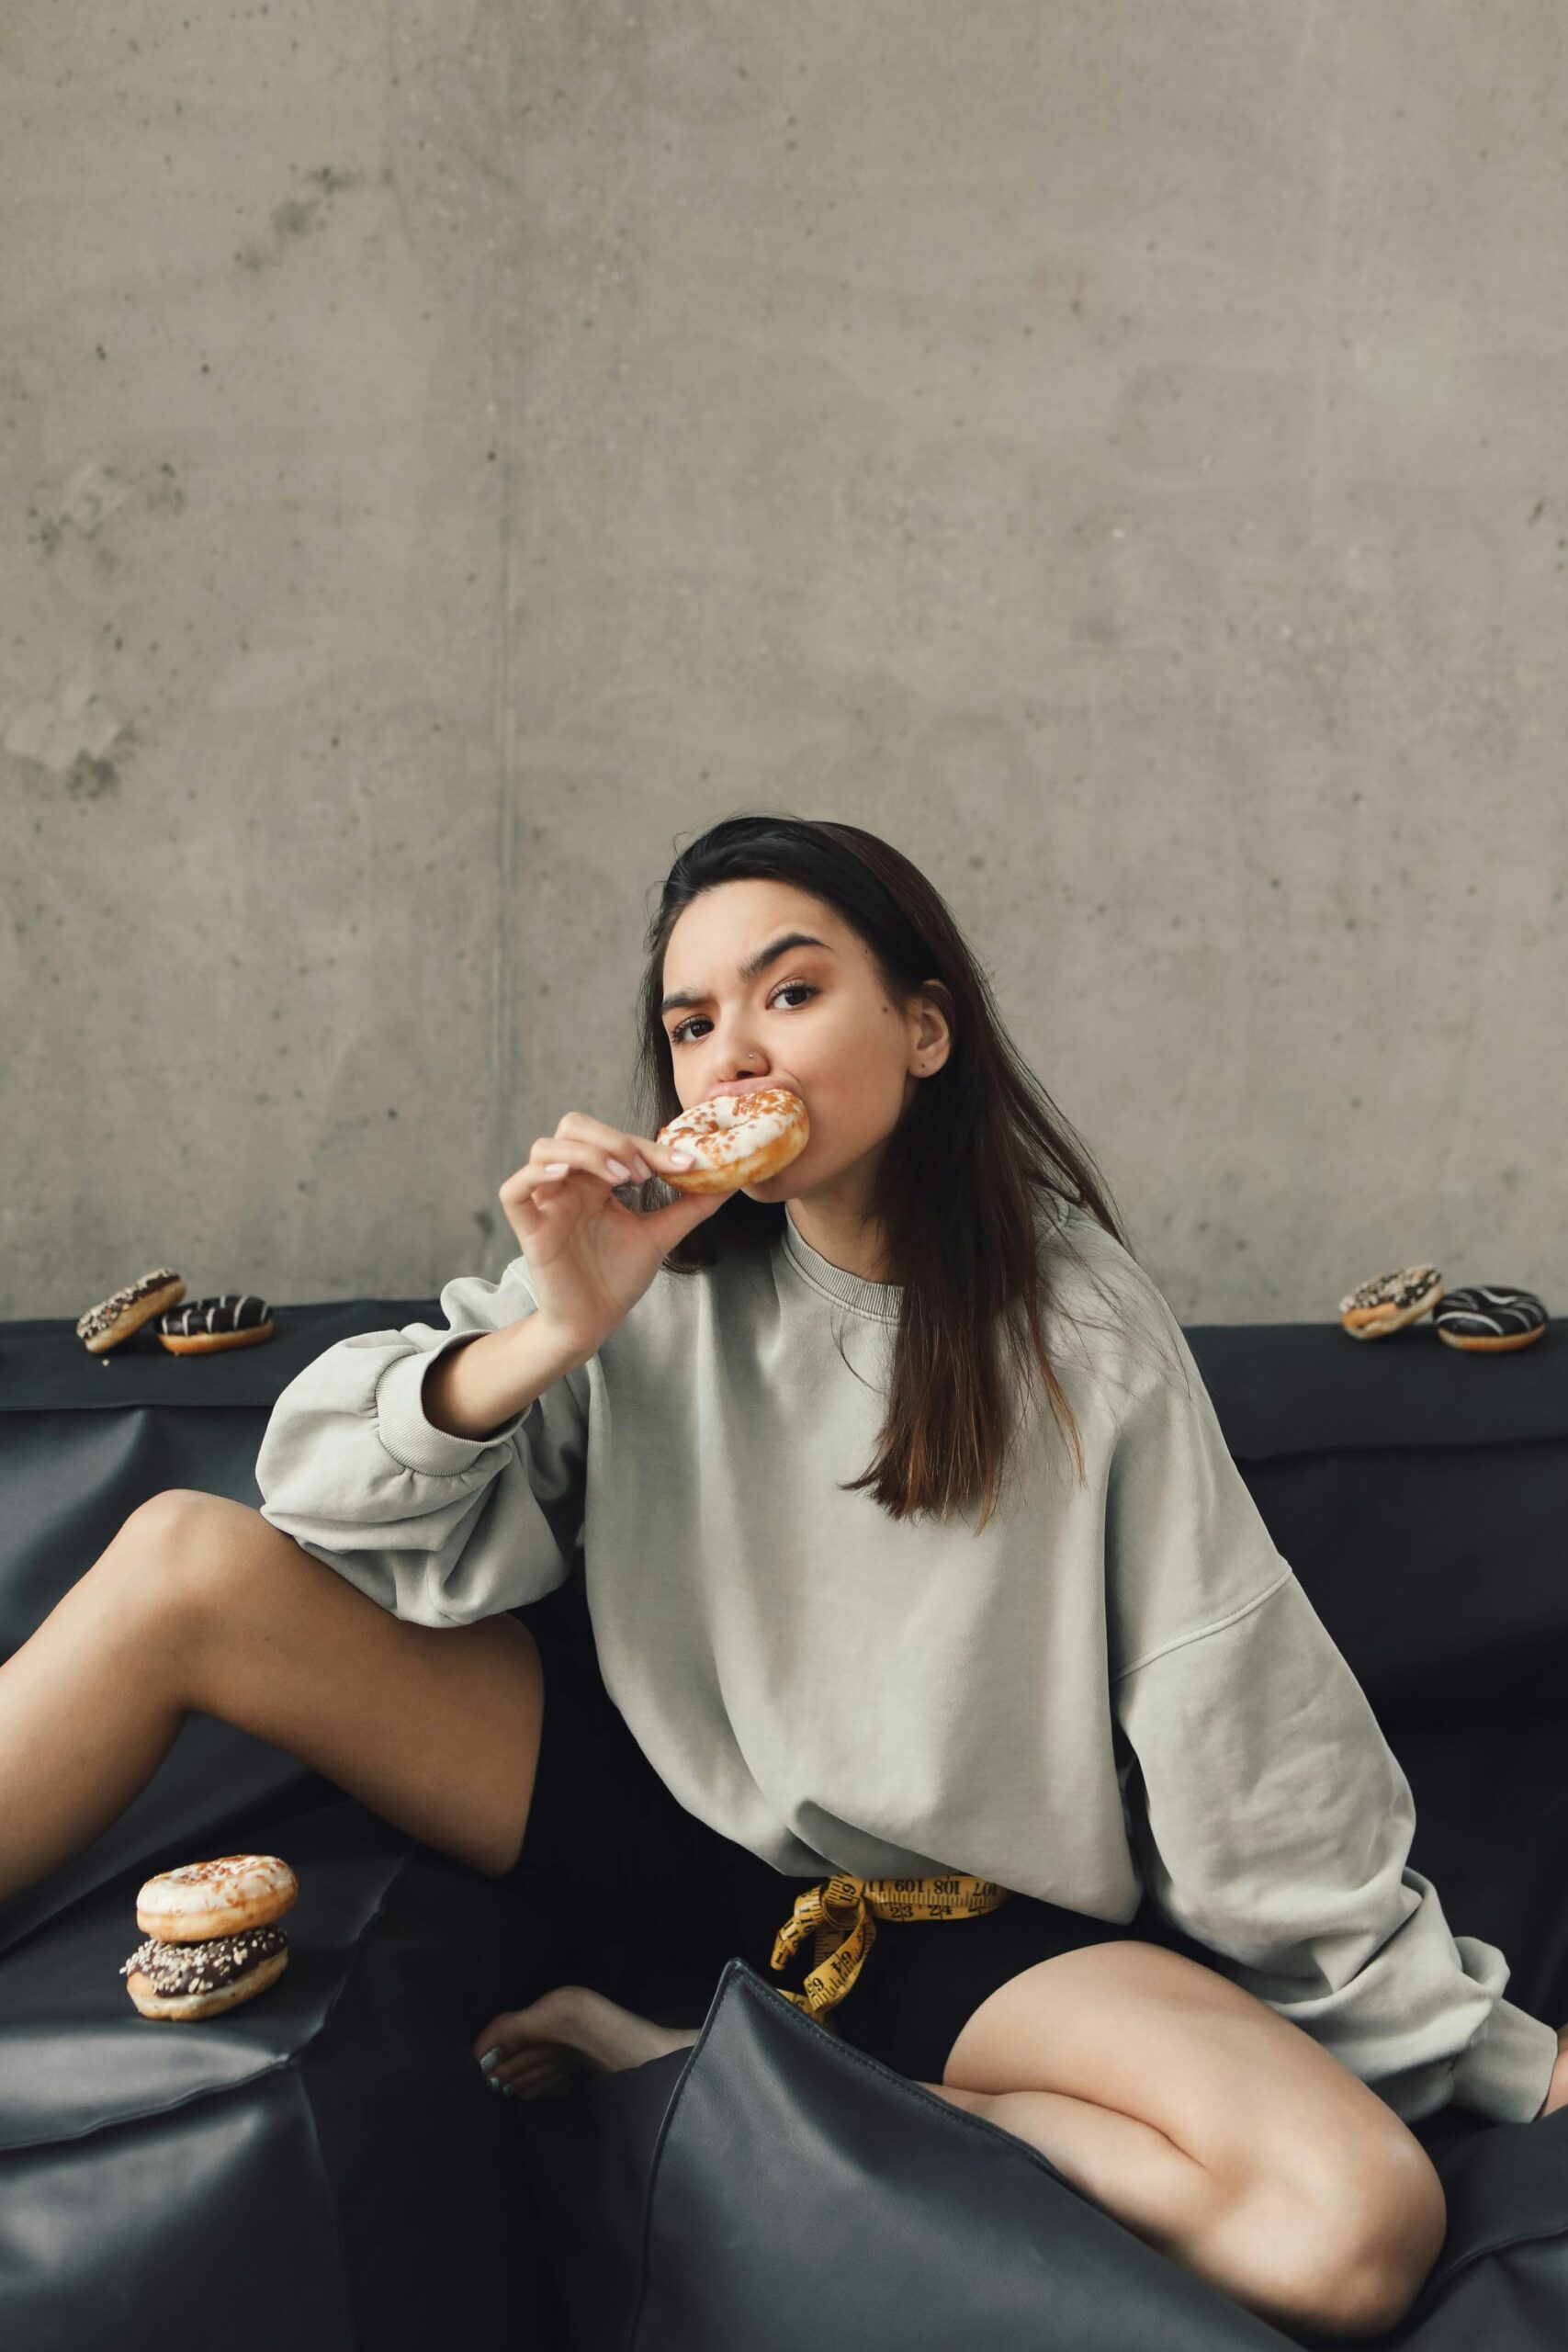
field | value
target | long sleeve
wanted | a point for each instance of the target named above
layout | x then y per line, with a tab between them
438	1528
1269	1816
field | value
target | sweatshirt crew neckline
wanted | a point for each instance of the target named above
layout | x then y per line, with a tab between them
883	1301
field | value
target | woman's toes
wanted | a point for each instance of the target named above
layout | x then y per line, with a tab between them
573	2026
533	2067
518	2033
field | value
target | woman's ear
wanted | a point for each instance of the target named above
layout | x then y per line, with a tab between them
933	1035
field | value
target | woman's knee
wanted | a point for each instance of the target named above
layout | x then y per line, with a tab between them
1343	2249
1399	2220
179	1547
164	1516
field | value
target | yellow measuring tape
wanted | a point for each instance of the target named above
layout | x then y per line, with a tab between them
842	1913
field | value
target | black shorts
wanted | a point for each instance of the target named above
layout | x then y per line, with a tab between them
647	1902
641	1899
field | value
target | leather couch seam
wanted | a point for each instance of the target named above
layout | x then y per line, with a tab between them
1440	2279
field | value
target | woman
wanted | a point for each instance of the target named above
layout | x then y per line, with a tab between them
866	1611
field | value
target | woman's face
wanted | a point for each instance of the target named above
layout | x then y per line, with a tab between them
814	1018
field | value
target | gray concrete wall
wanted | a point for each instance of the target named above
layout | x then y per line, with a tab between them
451	453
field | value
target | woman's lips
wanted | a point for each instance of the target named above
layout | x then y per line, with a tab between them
753	1086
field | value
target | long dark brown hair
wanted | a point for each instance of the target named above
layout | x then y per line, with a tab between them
958	1188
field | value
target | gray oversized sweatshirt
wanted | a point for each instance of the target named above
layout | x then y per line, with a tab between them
1116	1684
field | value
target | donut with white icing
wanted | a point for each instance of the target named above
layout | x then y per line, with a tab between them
1388	1302
201	1900
738	1140
1487	1318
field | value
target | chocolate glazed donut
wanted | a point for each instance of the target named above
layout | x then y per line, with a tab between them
1487	1318
115	1318
1389	1302
183	1980
202	1326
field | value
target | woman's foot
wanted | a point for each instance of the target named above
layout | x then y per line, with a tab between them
571	2026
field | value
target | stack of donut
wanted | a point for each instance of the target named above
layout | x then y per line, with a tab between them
233	1320
1487	1318
211	1941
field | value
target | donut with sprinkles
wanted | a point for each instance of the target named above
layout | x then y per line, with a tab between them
211	1935
115	1318
1388	1302
739	1140
186	1981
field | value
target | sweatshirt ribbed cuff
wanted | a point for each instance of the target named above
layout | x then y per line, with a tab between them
1506	2071
406	1431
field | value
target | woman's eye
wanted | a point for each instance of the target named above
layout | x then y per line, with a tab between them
787	987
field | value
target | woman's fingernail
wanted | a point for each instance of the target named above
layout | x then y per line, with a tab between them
682	1156
622	1175
490	2062
558	1167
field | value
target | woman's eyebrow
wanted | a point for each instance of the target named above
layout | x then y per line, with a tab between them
751	969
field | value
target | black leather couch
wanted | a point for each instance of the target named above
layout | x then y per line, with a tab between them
325	2168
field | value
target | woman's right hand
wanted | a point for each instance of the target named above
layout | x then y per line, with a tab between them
591	1258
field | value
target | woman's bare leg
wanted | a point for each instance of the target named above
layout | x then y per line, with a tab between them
1214	2128
201	1604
